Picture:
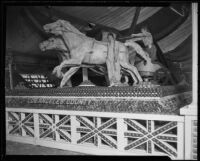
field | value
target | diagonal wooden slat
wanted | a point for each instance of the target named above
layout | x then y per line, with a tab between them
14	129
86	137
107	124
45	118
111	143
63	120
170	150
28	130
47	132
136	143
30	116
85	122
164	128
13	116
136	126
63	135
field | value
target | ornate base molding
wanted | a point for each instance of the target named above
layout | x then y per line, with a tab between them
114	99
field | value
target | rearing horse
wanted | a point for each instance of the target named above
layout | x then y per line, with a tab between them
87	50
56	43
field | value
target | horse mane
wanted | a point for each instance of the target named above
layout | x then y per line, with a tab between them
68	26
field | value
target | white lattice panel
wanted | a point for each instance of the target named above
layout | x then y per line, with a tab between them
110	135
20	124
152	136
102	133
54	127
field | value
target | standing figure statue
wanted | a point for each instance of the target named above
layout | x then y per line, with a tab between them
152	68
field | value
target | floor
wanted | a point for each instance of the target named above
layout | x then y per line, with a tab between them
15	148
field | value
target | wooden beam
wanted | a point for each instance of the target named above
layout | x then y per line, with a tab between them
134	22
123	34
10	62
194	54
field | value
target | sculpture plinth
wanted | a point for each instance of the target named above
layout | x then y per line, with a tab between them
138	99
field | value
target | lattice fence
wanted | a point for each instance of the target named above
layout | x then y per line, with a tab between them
135	135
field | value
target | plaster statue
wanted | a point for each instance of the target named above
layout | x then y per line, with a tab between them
141	66
150	67
88	50
56	43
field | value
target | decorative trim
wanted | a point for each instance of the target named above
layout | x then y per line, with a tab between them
88	91
164	105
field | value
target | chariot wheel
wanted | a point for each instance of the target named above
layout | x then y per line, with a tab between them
161	76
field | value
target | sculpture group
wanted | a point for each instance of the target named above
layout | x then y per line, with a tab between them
76	49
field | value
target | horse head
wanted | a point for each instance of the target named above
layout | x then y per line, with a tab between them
44	45
60	26
53	43
54	28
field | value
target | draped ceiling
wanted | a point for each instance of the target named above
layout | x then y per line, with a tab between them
171	27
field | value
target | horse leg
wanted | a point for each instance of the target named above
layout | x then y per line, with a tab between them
133	69
55	71
133	76
69	83
68	75
58	69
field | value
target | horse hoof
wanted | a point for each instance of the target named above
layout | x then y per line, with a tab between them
54	72
140	83
111	85
58	75
135	83
61	85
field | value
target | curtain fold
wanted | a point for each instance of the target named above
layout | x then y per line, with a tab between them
181	53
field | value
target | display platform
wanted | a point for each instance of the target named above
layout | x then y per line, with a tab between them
136	99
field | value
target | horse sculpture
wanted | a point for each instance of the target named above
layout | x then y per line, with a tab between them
87	50
56	43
